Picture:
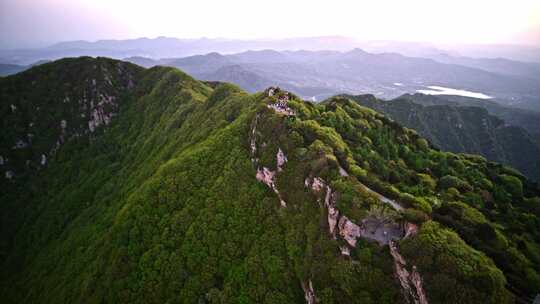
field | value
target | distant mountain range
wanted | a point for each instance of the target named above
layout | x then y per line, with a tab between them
319	67
317	75
162	47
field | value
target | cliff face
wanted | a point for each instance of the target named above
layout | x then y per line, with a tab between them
185	192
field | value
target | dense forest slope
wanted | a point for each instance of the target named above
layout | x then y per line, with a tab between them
463	129
201	193
528	120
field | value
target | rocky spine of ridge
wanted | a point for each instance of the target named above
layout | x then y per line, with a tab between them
371	228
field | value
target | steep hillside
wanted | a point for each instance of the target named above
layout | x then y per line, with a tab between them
529	120
464	130
201	193
46	106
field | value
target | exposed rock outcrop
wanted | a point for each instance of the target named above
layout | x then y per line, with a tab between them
349	230
267	177
281	159
410	230
371	228
253	138
345	250
316	184
87	101
342	172
379	225
99	115
411	282
281	106
333	213
264	174
309	293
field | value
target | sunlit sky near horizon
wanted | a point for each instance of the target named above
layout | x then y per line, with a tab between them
30	23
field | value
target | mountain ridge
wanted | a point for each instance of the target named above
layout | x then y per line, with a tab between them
203	192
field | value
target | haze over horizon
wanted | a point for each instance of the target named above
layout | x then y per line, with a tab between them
27	24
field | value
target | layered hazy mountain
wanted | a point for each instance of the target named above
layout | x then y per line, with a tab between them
319	74
319	67
123	184
163	47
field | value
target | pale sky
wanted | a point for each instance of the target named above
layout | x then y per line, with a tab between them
27	23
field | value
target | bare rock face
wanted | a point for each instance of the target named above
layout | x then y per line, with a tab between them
411	282
349	230
281	159
373	229
99	116
345	250
309	294
270	91
342	172
337	223
417	283
316	184
410	230
266	176
253	137
333	213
